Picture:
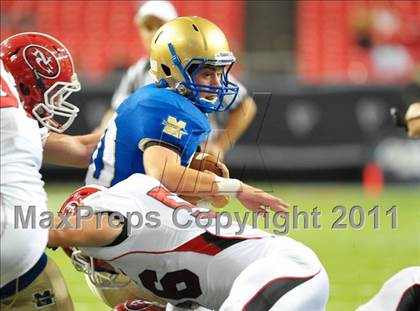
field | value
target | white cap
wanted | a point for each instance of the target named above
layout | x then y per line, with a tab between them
163	10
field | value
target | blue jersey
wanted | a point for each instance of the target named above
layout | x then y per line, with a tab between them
149	115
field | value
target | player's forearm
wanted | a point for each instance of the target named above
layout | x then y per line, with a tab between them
86	232
164	165
237	123
73	151
186	181
190	182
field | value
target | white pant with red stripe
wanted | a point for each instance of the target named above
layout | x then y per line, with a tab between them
282	278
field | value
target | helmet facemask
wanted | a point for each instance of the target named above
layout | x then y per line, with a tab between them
227	89
100	277
55	105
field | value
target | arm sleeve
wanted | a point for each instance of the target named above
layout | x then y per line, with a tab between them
173	127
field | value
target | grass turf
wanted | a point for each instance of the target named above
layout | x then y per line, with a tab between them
358	261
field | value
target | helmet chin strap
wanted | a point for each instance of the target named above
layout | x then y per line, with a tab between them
205	105
162	83
182	89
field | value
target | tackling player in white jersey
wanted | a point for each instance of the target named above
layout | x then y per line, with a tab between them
401	292
173	257
37	76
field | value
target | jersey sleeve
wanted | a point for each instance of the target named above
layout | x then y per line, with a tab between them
172	127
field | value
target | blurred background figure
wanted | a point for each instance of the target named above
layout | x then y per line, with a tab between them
227	128
381	33
149	18
412	118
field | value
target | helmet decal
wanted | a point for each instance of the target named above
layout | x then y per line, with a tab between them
42	61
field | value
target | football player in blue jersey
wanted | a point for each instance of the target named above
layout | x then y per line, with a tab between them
157	129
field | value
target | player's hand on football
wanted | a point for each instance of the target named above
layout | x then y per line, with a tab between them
223	168
257	200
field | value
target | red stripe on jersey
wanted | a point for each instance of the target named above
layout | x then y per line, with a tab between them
7	99
168	198
199	245
196	245
206	243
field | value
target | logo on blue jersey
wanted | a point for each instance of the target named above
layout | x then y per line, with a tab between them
174	128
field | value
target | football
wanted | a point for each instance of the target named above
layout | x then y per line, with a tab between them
206	162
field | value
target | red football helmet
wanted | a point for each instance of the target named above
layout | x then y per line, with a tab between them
75	199
139	305
100	273
44	74
71	204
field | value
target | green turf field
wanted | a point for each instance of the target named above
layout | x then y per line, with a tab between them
358	261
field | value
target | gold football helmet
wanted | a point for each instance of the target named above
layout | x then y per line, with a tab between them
183	46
